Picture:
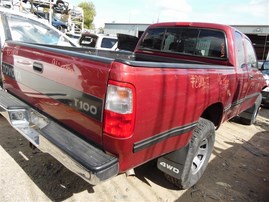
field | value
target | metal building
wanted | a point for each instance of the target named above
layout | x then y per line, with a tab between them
125	28
259	34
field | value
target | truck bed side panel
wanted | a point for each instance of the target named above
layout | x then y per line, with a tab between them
171	99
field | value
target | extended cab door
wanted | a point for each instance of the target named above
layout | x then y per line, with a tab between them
255	81
242	76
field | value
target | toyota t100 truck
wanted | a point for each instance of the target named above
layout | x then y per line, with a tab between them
101	116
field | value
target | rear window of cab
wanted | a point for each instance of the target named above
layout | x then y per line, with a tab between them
187	41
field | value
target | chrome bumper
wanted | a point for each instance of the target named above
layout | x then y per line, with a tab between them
79	156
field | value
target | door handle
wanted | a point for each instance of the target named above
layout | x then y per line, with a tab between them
38	67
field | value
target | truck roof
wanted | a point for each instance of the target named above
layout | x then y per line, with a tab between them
194	24
188	24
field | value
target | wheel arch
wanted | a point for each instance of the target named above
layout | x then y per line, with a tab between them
214	113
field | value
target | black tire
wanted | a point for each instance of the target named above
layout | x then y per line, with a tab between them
252	111
198	154
265	105
61	28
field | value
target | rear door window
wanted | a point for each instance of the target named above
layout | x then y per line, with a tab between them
153	39
211	43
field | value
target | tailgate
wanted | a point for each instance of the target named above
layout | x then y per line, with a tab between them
67	86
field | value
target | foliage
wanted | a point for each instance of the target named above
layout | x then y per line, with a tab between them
89	13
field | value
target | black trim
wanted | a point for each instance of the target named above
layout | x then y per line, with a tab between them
182	65
80	101
70	51
163	136
238	102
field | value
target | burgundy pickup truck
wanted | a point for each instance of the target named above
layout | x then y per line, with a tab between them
101	116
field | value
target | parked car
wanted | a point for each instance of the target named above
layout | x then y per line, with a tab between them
6	3
98	41
264	67
28	28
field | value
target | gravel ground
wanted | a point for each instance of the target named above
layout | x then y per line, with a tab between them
238	171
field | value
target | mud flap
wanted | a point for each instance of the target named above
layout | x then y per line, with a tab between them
251	113
173	163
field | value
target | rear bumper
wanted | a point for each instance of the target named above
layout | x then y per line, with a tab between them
76	154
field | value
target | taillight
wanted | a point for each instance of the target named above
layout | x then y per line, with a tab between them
119	110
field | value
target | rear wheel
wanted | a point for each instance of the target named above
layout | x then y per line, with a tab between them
198	154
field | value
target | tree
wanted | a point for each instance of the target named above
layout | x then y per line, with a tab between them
101	30
89	13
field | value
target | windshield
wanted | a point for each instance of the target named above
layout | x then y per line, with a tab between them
30	31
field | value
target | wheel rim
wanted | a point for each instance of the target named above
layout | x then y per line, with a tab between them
200	157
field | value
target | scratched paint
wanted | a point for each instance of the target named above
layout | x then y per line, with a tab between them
224	82
9	51
198	81
58	63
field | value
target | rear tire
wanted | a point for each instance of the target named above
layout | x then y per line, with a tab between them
198	154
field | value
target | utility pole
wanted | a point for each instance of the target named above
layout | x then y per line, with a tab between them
32	6
50	12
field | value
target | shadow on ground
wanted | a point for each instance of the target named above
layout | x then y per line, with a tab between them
240	173
57	182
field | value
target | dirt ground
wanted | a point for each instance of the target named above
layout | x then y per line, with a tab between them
238	171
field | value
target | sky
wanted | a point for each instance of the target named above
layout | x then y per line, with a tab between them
231	12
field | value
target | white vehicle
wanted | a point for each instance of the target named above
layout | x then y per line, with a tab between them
27	28
98	41
6	3
30	29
